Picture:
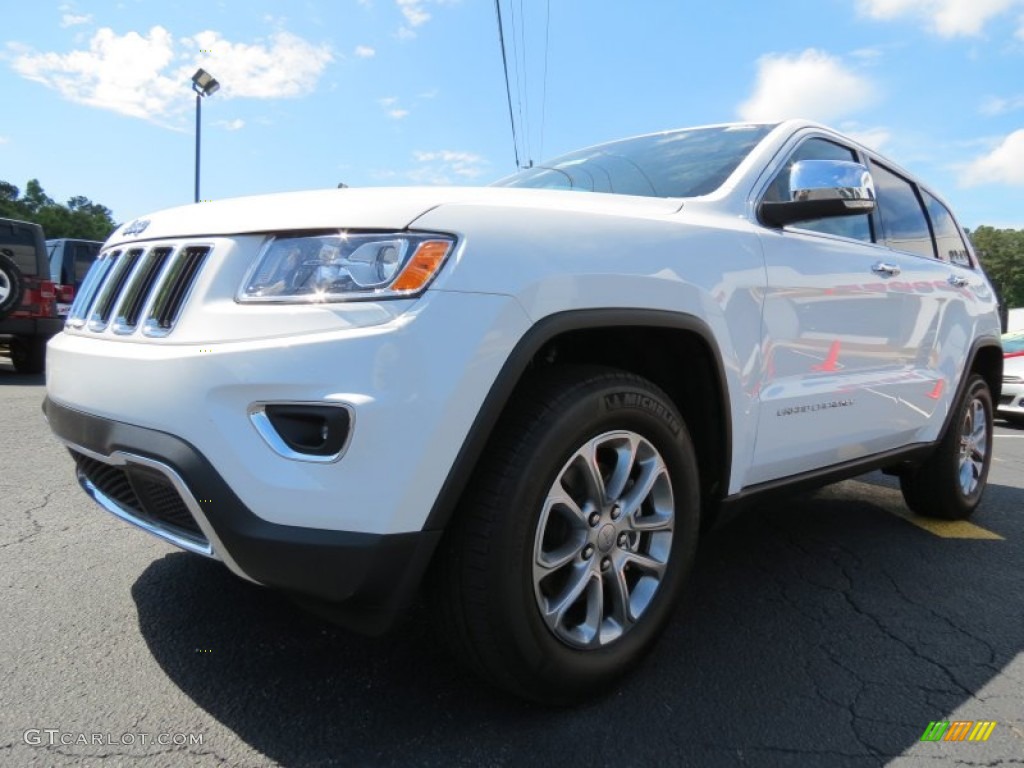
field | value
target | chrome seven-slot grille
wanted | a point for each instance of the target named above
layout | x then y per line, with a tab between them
140	286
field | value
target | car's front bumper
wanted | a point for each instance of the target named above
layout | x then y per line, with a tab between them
166	486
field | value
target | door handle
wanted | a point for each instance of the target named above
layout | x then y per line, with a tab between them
886	269
957	281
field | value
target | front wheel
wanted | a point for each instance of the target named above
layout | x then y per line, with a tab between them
575	537
949	484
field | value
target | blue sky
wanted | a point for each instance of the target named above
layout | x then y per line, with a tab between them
392	92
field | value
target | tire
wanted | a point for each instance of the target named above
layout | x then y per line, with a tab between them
28	353
530	528
950	483
12	285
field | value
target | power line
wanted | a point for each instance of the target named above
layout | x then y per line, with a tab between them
524	84
544	96
524	125
508	89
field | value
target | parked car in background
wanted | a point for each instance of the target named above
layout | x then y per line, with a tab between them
29	297
1011	401
1015	320
70	260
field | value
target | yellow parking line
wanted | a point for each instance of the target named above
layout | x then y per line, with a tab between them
947	529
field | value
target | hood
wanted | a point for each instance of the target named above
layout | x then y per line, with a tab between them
366	208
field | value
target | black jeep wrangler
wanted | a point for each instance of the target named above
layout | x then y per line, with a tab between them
29	298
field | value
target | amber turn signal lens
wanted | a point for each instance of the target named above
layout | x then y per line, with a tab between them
422	266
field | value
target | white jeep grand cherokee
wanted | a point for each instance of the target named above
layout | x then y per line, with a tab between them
529	397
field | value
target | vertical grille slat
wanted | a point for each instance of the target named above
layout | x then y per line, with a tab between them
174	289
107	297
140	289
90	287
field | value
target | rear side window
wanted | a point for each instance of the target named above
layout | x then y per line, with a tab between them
904	224
948	239
85	255
19	243
856	227
56	253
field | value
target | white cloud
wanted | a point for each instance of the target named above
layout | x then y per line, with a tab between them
947	18
439	167
872	138
390	106
1003	165
231	125
812	84
120	73
365	52
143	75
414	12
289	66
4	140
74	19
998	105
416	15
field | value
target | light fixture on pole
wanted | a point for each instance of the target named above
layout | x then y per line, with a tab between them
204	84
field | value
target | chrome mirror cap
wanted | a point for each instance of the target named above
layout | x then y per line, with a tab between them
820	189
831	180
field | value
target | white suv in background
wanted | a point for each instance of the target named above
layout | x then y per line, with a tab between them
527	398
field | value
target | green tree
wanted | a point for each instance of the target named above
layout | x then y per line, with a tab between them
1002	254
78	218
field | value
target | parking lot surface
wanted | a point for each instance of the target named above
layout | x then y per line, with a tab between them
828	629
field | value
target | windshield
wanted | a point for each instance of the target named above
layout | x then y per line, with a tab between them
685	163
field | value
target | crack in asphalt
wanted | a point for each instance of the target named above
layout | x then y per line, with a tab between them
846	590
29	514
145	756
877	621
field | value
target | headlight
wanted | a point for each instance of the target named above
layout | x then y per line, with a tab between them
341	266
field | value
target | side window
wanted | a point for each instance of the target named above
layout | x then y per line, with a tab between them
855	227
56	253
947	235
904	225
85	255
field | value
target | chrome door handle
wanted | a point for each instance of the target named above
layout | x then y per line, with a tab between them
886	269
957	281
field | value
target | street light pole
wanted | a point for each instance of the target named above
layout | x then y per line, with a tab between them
199	111
204	84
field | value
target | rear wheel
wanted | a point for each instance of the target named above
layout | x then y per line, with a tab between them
28	353
575	537
950	483
12	285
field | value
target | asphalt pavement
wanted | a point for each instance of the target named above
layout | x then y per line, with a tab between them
825	630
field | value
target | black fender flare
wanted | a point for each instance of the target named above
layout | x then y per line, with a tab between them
516	364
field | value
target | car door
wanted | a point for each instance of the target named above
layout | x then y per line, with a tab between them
849	325
957	295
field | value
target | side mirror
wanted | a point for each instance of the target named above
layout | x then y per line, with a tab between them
820	189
